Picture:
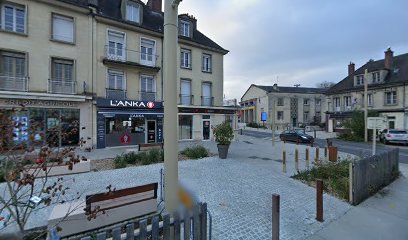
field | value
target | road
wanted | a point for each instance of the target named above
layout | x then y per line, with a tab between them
356	148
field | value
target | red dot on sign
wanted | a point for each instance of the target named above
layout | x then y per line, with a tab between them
150	104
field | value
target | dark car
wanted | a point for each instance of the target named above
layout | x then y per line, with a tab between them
296	136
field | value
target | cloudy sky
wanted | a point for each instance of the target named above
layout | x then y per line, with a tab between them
298	41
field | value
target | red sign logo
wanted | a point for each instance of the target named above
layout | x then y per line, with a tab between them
150	104
125	139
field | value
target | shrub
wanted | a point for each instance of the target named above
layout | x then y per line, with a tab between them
143	158
196	152
223	133
120	161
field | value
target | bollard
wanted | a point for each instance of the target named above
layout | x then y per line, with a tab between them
307	158
275	216
284	161
317	155
297	159
241	131
325	152
319	200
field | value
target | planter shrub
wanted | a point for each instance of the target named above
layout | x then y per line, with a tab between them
196	152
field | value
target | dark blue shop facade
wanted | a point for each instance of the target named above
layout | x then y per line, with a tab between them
128	122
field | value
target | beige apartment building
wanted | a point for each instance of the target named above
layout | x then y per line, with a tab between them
292	106
96	67
387	91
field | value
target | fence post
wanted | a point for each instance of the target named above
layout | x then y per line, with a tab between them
204	221
307	158
351	183
325	152
275	216
284	161
297	159
317	154
319	200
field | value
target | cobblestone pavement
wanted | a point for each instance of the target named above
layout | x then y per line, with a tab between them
238	190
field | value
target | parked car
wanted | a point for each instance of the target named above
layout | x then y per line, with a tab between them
394	136
296	136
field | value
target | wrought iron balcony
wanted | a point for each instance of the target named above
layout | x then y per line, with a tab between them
207	101
147	96
8	83
61	86
132	57
186	99
115	93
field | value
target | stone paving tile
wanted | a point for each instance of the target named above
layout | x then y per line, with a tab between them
238	191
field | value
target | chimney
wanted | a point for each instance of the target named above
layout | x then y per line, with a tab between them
275	86
388	58
155	5
351	69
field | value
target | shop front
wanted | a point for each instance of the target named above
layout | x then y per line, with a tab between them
40	122
128	122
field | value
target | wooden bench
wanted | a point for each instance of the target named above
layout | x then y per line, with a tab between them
110	208
149	146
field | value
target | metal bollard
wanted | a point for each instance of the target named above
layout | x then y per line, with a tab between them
325	152
297	159
275	216
284	161
319	200
307	158
317	155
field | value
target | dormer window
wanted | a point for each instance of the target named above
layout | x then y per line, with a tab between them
360	80
184	28
132	12
376	77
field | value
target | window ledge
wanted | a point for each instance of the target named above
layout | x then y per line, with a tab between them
15	33
187	68
208	72
391	104
63	42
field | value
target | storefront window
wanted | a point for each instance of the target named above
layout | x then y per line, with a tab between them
37	127
69	127
185	127
124	130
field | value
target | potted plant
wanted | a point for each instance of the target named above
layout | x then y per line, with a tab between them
223	136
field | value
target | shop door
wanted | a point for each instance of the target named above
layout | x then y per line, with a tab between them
151	131
53	130
206	129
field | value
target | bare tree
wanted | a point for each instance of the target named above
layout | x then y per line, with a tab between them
325	84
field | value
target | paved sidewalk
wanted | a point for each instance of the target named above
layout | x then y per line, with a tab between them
383	216
319	134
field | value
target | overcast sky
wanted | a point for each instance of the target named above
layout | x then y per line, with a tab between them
298	41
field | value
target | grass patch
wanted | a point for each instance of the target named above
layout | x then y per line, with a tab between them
335	177
196	152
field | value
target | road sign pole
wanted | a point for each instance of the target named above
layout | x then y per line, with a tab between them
374	139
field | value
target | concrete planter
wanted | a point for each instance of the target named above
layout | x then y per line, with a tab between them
223	151
54	169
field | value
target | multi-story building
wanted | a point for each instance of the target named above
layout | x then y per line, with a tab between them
97	66
293	106
387	91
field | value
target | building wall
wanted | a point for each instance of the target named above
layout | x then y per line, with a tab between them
260	99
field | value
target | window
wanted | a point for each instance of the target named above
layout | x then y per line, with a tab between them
360	80
147	49
279	115
116	80
185	92
13	18
62	28
13	71
206	99
391	98
184	28
336	104
369	99
347	101
132	12
185	127
206	63
306	116
280	101
185	58
306	101
147	88
62	76
376	77
116	46
318	101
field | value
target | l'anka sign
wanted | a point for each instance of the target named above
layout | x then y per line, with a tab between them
112	103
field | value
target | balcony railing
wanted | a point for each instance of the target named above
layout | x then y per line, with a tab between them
62	87
207	101
186	99
8	83
147	96
127	55
116	93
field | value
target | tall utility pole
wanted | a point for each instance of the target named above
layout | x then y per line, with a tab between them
273	121
365	105
170	104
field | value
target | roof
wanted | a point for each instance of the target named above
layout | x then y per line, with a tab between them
280	89
397	75
152	20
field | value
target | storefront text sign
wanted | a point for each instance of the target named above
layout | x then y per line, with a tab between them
39	103
112	103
